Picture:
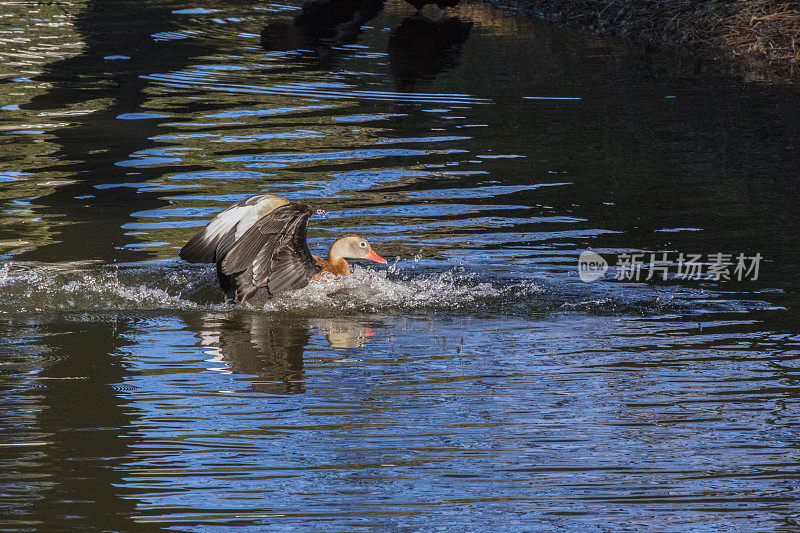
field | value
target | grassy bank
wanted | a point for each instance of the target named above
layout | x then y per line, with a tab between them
763	30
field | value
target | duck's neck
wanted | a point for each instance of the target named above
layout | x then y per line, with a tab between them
336	266
335	262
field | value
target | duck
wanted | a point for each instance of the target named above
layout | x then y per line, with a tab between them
259	246
441	4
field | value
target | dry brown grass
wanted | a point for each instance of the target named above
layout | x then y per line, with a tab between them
756	29
764	28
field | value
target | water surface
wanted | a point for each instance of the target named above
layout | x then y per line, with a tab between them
474	383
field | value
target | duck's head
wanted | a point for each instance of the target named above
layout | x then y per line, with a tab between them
353	247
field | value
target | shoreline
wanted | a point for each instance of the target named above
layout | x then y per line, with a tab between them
764	34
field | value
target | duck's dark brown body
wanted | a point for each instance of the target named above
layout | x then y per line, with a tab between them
441	4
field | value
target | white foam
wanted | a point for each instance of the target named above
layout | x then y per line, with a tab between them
36	287
26	287
375	290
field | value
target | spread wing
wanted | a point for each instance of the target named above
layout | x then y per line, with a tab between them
214	240
272	254
219	236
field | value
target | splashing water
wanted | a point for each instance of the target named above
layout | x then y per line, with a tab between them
89	286
160	286
82	287
370	290
28	287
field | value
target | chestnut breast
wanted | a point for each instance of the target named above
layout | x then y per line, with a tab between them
338	267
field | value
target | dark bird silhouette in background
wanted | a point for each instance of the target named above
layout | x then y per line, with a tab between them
420	48
320	27
441	4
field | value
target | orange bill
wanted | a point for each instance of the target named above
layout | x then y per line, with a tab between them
372	256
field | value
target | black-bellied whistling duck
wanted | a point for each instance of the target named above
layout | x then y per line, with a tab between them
441	4
260	243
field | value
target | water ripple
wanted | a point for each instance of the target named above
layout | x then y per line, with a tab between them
312	90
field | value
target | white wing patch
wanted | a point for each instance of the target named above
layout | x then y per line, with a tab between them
246	220
225	221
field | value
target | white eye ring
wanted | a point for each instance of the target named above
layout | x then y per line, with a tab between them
362	244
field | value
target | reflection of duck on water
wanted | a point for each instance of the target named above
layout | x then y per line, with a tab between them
320	25
271	346
259	244
342	333
259	345
421	48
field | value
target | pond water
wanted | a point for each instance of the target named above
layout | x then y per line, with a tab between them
474	383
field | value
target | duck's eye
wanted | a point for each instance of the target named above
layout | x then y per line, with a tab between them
362	244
